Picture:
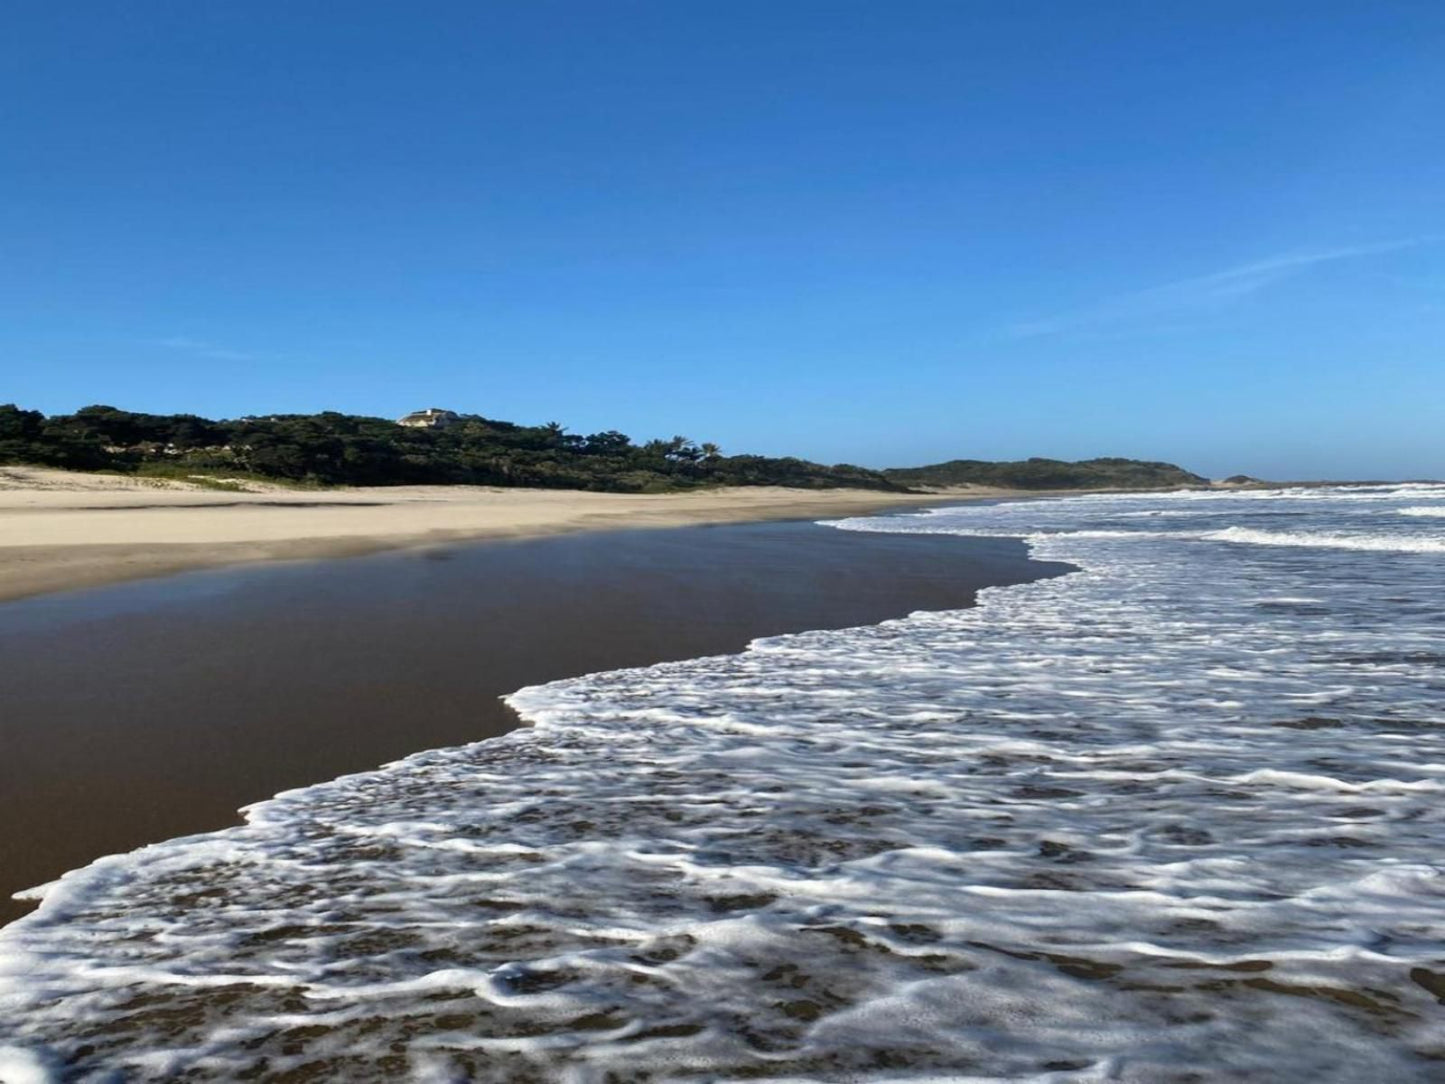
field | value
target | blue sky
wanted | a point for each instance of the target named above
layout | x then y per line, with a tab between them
885	233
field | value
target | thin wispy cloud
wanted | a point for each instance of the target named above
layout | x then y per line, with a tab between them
1202	292
202	349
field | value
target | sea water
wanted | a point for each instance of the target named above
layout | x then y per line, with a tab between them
1177	816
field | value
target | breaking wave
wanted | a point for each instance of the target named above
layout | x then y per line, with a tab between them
1376	543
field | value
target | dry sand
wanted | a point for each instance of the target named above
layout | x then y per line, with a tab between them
61	530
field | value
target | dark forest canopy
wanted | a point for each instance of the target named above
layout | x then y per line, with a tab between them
345	449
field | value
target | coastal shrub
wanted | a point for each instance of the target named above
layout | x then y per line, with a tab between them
330	449
344	449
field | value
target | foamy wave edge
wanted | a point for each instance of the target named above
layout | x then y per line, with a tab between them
1372	543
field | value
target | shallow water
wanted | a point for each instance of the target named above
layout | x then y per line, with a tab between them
1175	817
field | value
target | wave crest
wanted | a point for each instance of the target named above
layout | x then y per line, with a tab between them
1381	543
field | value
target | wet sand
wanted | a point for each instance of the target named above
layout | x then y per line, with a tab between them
147	710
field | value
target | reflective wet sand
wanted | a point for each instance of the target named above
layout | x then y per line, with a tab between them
145	711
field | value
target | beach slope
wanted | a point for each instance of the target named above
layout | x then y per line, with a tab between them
61	530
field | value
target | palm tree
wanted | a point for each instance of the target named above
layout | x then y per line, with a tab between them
683	449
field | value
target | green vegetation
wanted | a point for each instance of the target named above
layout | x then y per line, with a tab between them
1049	474
343	449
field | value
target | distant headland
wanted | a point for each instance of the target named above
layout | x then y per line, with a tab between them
1107	473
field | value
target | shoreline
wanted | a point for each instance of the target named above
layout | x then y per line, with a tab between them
148	710
50	521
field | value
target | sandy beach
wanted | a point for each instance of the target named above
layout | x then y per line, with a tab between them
61	530
155	709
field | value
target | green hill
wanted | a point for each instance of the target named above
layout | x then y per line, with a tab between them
344	449
1048	474
444	448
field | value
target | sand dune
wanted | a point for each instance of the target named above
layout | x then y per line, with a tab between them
62	529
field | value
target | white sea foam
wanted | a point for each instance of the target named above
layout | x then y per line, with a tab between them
1435	511
1377	543
1332	494
22	1067
1175	817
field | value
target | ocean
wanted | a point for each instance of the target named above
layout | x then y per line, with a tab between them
1176	816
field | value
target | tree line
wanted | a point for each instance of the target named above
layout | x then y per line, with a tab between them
344	449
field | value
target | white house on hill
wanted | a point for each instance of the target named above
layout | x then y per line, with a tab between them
430	418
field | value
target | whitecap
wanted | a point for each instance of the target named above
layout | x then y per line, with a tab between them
1377	543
